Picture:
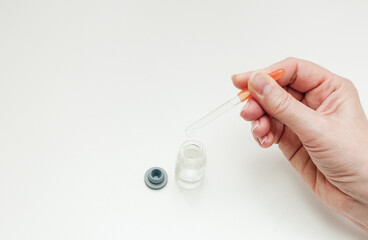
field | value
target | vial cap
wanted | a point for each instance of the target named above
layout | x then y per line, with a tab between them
155	178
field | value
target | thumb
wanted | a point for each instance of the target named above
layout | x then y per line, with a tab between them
280	105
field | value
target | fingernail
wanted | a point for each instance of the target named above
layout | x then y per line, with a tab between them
246	105
260	82
255	124
262	140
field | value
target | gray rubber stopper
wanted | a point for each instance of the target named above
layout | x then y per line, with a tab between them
155	178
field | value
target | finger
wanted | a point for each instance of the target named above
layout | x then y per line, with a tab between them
261	126
281	105
251	110
265	141
240	80
317	96
300	74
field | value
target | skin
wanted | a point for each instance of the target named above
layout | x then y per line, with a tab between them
317	120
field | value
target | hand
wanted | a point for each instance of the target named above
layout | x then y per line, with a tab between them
317	120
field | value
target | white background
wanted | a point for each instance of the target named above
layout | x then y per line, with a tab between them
93	93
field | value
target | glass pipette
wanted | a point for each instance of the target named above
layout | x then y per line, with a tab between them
242	96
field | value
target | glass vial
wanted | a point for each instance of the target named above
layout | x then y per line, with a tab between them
191	164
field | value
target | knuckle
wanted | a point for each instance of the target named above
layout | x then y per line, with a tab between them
294	60
291	59
349	85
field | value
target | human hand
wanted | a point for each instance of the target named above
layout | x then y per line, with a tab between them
317	121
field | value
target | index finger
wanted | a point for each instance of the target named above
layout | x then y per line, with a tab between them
300	75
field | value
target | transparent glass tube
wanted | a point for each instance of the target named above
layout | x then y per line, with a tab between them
242	96
191	164
212	115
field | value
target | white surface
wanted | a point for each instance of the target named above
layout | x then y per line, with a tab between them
93	93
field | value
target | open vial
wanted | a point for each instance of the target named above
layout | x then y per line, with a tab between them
191	164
